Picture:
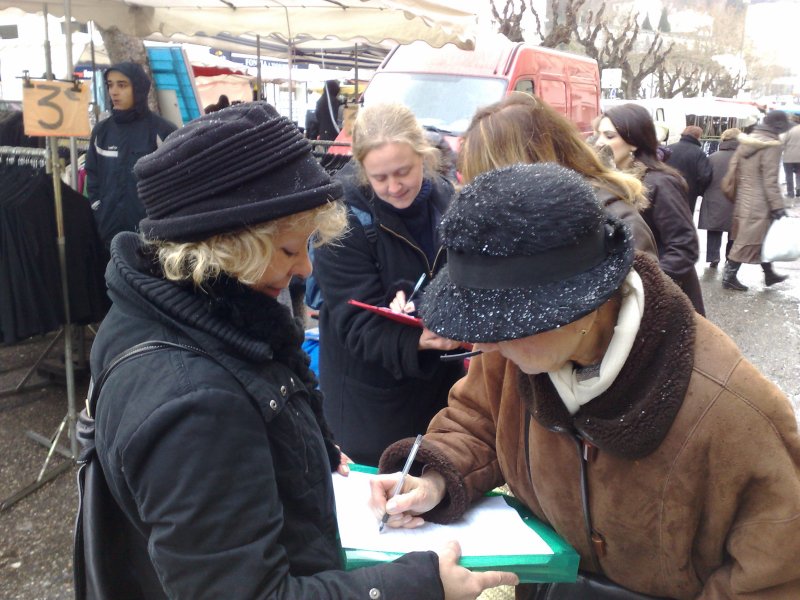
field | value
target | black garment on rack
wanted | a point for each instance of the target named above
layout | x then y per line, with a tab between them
31	297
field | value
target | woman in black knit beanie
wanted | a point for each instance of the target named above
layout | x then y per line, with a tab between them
216	453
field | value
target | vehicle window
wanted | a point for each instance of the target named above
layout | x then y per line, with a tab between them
446	102
524	85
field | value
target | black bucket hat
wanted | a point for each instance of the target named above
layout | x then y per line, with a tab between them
529	249
234	168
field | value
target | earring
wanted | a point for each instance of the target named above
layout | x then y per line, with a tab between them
583	332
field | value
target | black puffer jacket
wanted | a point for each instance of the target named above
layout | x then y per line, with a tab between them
378	386
688	157
115	146
222	467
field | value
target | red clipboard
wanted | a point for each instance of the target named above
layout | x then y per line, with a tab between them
389	314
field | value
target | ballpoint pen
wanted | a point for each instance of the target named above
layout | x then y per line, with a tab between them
416	287
401	481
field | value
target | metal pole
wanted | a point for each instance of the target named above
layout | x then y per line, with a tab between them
258	66
62	261
356	69
73	146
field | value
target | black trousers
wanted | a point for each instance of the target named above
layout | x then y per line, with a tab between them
713	243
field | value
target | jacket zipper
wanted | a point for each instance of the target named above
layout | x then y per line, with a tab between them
417	248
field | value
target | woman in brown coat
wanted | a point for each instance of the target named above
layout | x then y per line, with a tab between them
753	174
600	386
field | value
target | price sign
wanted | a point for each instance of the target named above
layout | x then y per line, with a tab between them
55	108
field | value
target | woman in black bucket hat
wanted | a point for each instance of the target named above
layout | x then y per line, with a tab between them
215	449
616	413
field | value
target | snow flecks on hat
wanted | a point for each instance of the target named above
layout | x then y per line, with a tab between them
528	214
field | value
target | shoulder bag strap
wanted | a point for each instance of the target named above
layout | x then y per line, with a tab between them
132	352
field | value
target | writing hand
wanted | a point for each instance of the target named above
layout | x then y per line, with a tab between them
462	584
418	496
430	341
399	304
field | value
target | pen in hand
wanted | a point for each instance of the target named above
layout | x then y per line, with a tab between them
403	474
416	288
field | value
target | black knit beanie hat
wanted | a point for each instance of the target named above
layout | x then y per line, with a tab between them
529	249
227	170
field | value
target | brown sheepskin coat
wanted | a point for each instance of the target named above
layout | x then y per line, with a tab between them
755	165
694	468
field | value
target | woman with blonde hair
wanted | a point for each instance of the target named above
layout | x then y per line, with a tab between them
523	129
383	380
214	450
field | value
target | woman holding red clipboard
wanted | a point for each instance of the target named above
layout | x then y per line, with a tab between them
382	379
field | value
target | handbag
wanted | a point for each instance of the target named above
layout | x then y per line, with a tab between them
782	242
99	565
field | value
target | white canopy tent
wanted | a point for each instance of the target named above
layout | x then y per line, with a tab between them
436	22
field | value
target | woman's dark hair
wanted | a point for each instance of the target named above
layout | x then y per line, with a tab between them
635	125
332	87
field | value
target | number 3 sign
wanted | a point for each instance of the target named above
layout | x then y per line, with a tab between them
55	108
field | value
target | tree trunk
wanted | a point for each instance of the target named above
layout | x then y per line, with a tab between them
125	48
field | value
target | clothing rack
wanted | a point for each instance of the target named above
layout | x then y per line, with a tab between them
48	158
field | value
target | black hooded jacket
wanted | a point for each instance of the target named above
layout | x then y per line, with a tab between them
687	156
115	146
221	468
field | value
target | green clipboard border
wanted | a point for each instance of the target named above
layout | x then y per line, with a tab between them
562	565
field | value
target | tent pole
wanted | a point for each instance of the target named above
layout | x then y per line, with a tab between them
355	49
258	67
73	146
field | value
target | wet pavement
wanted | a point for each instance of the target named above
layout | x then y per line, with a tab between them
36	533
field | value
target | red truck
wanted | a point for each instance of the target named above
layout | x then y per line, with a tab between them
445	86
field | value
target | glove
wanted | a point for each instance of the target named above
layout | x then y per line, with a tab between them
778	214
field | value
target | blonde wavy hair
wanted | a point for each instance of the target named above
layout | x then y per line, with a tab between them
244	254
522	129
379	124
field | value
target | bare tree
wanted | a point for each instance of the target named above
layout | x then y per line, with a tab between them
125	48
611	46
509	21
620	47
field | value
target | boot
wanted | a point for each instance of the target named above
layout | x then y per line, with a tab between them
729	280
770	276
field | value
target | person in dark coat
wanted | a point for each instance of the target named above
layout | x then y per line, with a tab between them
716	210
327	111
688	158
754	171
116	143
629	131
219	464
383	380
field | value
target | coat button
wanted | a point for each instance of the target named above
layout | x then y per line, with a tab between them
273	405
374	593
284	391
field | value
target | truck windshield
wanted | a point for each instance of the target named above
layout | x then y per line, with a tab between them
445	102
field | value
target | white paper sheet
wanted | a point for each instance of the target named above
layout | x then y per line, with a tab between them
489	528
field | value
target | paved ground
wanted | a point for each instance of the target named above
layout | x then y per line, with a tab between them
36	533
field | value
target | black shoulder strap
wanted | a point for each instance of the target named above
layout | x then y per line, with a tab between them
132	352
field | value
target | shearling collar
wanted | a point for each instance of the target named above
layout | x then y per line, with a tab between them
634	415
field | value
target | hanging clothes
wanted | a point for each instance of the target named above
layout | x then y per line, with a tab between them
31	297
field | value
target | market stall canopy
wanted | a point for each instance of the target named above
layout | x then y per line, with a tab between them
436	22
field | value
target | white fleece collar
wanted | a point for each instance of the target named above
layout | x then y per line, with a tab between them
576	393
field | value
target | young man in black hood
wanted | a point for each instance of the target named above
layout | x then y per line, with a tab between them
117	143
